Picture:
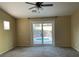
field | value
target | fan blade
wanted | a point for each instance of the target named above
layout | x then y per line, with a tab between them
32	7
41	2
30	3
47	5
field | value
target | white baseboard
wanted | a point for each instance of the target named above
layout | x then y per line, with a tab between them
76	49
24	45
6	51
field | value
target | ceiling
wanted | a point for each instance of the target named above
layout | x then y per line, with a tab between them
21	9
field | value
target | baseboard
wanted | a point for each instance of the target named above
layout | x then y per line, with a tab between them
23	45
6	51
75	49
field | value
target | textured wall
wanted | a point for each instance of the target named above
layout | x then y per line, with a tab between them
63	31
23	32
7	38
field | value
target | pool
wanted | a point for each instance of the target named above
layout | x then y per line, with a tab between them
41	38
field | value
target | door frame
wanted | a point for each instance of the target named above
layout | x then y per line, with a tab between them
50	21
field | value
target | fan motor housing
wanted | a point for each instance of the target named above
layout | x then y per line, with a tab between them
38	4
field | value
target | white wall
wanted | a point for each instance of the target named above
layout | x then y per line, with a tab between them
75	30
7	37
63	31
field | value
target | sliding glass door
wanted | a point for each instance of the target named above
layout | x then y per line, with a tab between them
37	34
47	33
42	33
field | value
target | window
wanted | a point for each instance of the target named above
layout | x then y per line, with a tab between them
6	25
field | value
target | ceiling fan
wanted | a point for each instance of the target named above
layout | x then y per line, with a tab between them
38	5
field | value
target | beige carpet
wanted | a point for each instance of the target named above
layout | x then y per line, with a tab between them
42	51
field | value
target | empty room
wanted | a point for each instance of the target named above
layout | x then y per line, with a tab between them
39	29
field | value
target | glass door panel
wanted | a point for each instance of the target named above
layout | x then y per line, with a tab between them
37	34
47	33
